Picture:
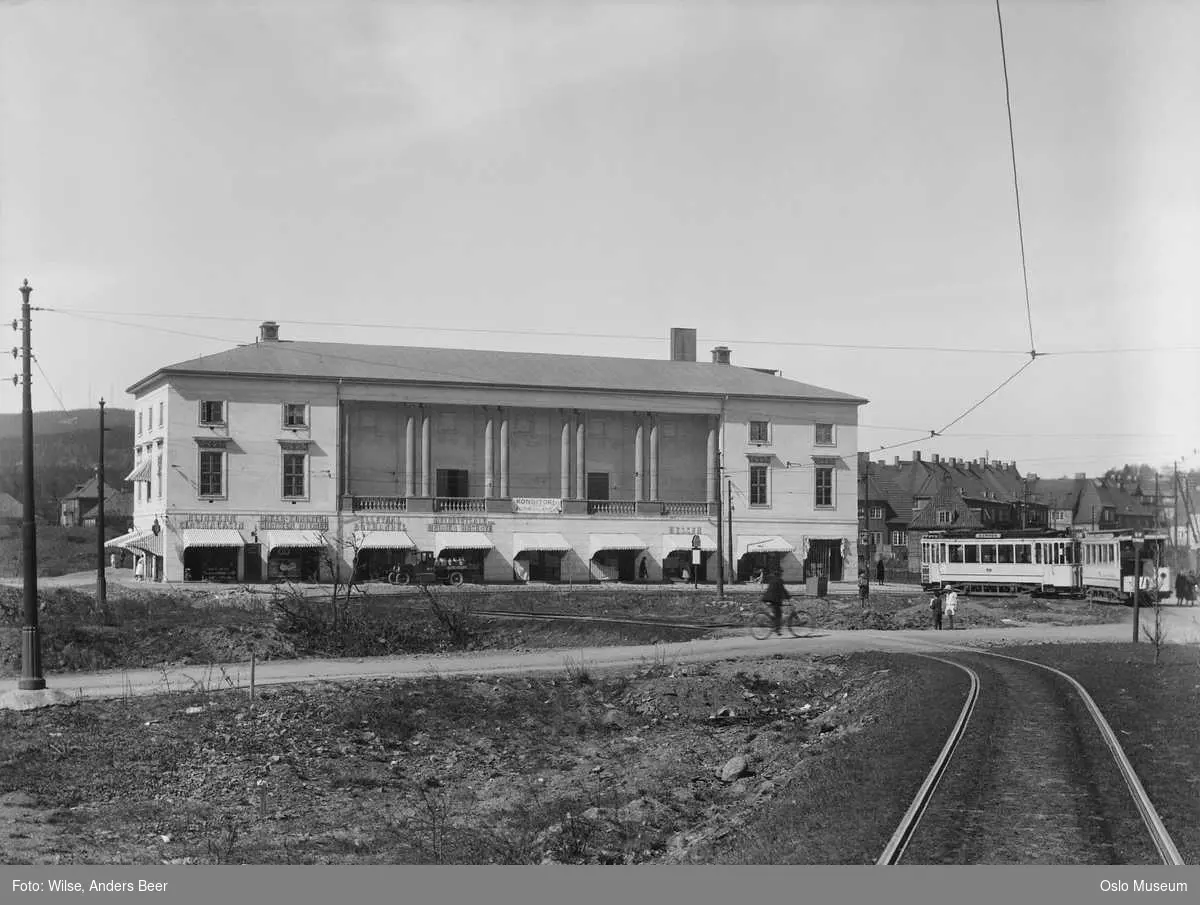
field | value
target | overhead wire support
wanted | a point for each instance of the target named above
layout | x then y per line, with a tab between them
1012	146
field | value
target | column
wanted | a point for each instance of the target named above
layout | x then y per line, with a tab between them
580	456
653	458
710	475
488	452
504	454
564	458
426	457
638	464
410	456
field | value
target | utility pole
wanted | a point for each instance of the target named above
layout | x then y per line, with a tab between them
732	561
720	535
1137	584
101	581
31	642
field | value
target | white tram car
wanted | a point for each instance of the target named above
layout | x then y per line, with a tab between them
1095	566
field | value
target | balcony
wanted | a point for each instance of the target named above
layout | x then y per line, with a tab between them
379	504
459	504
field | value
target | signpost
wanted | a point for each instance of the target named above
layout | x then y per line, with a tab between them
695	560
1138	540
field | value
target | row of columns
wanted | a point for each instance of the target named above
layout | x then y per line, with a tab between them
574	423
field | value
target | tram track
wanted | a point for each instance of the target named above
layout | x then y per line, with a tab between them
1031	773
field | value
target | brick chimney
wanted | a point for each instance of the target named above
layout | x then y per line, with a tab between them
683	344
896	461
268	332
721	355
936	459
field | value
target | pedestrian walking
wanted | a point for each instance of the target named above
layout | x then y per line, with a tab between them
935	607
879	571
1181	588
112	560
774	595
139	569
864	586
951	605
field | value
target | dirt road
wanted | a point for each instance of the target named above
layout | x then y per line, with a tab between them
1183	627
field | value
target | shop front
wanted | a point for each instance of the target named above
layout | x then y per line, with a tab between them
679	559
462	552
212	554
538	557
614	557
761	555
381	545
296	547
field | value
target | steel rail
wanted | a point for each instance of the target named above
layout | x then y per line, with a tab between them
1158	832
912	817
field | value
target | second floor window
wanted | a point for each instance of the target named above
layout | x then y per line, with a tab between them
212	412
824	435
899	538
823	486
760	432
293	475
212	472
160	414
139	424
944	516
295	414
158	470
758	485
876	512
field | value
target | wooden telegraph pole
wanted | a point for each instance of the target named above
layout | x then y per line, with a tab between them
31	642
101	582
720	535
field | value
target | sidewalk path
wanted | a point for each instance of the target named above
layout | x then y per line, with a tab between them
1183	627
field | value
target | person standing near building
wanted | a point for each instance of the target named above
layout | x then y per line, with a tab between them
951	605
935	607
139	569
879	573
774	595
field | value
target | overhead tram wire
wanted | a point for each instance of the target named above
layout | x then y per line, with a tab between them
1012	146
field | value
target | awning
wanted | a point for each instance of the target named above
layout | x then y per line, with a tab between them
598	542
673	542
384	540
147	542
290	538
123	540
460	540
762	543
211	537
141	471
835	462
554	543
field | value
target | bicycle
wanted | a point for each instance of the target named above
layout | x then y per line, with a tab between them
762	623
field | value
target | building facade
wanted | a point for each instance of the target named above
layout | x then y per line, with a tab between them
295	460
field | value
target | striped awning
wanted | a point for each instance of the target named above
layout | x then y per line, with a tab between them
384	540
554	543
272	540
460	540
141	471
211	537
673	542
598	542
762	543
138	539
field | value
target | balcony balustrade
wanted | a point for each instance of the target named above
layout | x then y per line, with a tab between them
611	507
685	508
459	504
380	504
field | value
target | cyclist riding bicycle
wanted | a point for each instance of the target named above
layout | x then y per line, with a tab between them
774	595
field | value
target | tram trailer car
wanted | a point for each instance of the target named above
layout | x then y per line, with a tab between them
1044	564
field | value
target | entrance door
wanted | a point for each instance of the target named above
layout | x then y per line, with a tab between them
453	482
597	485
253	564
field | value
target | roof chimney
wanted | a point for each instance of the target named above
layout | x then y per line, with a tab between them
916	455
896	461
269	332
683	344
936	458
720	355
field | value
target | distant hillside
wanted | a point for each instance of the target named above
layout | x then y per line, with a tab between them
64	453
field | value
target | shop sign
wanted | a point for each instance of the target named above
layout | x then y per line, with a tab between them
462	523
293	522
380	523
207	520
691	530
536	505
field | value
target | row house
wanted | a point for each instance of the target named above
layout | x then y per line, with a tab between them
280	460
1092	504
899	503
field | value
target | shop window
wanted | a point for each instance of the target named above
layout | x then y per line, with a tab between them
295	414
823	486
212	472
760	432
824	435
212	413
294	473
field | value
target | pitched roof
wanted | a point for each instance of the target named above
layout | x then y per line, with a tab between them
10	507
403	364
1057	493
87	490
120	504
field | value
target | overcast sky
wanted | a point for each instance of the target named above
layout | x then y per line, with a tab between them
768	173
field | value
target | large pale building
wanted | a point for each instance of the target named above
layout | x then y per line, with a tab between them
282	459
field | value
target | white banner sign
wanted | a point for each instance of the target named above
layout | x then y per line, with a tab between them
531	505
